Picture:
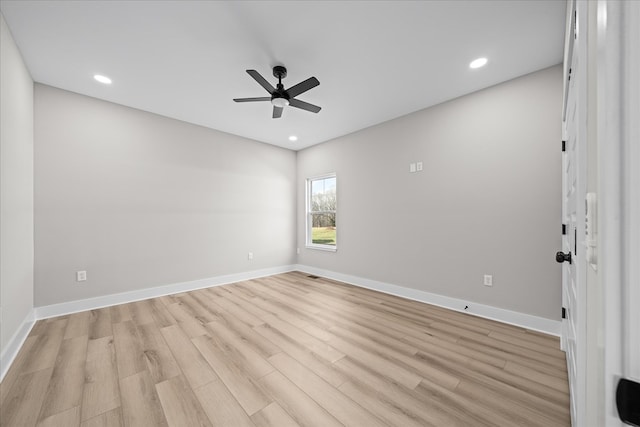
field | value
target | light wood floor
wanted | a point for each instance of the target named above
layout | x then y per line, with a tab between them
283	351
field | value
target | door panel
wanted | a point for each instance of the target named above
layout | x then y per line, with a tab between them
573	193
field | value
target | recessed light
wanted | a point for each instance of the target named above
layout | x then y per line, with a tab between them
293	138
102	79
477	63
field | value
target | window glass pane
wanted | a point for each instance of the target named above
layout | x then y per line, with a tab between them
323	194
323	229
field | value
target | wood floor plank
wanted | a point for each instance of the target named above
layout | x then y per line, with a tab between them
192	326
209	300
120	313
521	414
241	299
365	381
528	344
100	323
398	358
337	404
112	418
160	361
140	403
238	311
321	348
22	405
509	351
261	345
68	418
548	403
221	407
378	404
557	383
236	349
45	348
245	389
65	388
130	355
383	366
445	348
78	324
141	312
284	350
273	416
160	314
101	392
197	310
304	410
194	367
180	405
468	409
16	368
315	363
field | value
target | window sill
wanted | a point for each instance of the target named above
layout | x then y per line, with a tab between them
322	248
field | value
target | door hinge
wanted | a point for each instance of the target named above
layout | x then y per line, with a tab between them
564	146
627	398
564	229
564	313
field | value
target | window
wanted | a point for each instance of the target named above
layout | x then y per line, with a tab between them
321	212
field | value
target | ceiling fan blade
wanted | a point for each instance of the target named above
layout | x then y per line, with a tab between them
261	80
265	98
302	87
304	105
277	112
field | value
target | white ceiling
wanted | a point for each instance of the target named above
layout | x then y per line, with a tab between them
376	60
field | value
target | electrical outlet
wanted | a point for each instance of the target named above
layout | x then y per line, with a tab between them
250	256
81	276
488	280
419	166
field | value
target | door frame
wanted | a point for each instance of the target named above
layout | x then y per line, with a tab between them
619	193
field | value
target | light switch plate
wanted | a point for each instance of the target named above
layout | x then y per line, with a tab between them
488	280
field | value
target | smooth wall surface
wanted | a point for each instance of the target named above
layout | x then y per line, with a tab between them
140	200
16	189
486	202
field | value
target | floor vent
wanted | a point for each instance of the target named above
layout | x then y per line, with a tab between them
311	276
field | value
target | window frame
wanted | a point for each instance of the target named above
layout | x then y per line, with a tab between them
308	215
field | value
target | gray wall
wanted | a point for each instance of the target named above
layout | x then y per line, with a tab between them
16	188
139	200
487	201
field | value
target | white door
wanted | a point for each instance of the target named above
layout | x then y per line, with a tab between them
573	195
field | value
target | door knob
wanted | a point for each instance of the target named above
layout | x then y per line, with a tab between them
562	257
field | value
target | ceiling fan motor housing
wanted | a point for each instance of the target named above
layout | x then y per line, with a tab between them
279	72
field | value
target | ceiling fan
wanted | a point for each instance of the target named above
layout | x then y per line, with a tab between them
281	97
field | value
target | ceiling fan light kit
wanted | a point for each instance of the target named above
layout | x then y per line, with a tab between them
281	97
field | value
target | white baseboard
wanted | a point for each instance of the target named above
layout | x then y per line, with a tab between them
528	321
54	310
15	344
